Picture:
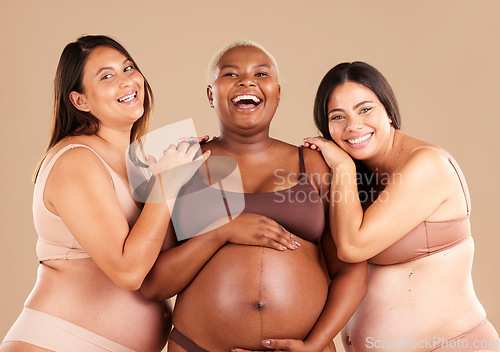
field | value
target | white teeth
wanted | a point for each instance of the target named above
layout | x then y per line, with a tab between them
127	97
359	140
246	97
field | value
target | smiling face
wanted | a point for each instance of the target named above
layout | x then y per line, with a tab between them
245	91
357	121
113	89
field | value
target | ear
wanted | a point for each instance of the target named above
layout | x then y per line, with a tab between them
210	96
79	101
279	94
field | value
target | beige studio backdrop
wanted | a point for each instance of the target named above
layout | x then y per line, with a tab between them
441	57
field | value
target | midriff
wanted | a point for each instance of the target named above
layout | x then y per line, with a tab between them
247	293
431	297
79	292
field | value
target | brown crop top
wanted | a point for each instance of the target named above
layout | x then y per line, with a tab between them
299	209
55	241
429	237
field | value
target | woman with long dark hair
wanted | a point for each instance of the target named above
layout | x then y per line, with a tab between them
403	205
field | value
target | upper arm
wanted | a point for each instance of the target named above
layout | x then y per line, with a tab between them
80	189
413	193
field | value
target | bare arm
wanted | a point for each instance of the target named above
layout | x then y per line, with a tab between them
178	265
80	191
424	183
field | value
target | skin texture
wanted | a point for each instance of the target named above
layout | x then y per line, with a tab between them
238	295
434	290
79	190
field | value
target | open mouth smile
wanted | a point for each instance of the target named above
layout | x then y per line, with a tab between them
127	98
246	101
360	141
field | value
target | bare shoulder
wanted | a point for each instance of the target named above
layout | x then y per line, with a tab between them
79	164
428	163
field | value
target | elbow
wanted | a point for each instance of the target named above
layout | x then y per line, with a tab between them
150	292
349	253
130	280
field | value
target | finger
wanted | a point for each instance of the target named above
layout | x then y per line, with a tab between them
281	344
183	146
284	237
241	350
204	156
193	150
279	235
171	147
318	141
150	159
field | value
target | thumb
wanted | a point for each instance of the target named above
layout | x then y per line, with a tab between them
150	159
203	157
277	344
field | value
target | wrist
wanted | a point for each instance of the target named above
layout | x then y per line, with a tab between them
217	231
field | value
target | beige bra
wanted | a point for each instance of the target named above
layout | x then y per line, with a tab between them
55	241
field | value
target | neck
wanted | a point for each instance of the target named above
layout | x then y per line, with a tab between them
239	144
117	140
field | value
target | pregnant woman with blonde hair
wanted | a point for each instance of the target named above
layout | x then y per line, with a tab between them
238	292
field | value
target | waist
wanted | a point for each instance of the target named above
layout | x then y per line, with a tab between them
433	295
79	292
279	294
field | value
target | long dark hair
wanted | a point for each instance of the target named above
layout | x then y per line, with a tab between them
67	119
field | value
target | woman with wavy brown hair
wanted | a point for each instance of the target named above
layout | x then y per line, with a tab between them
95	243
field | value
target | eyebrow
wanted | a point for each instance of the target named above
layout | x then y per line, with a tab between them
354	107
110	68
236	67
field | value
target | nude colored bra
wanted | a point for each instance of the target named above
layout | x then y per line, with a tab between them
299	209
55	241
429	237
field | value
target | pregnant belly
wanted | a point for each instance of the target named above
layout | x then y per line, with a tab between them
245	294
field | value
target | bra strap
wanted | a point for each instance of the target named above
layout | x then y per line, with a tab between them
460	175
303	172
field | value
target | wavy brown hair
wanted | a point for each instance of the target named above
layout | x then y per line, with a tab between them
67	119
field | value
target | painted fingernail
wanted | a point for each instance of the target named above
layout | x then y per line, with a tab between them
283	247
266	342
297	243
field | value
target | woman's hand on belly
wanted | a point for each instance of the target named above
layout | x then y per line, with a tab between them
281	345
257	230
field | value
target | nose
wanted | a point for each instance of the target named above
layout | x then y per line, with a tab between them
125	80
354	123
246	80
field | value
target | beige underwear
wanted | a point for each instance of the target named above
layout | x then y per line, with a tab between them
56	334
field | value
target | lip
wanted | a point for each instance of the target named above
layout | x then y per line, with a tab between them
134	100
248	109
359	145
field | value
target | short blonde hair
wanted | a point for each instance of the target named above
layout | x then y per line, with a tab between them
236	44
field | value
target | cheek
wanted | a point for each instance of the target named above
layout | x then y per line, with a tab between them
336	131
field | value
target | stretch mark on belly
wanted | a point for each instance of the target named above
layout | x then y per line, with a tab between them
260	304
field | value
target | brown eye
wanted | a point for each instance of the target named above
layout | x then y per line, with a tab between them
365	110
336	118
